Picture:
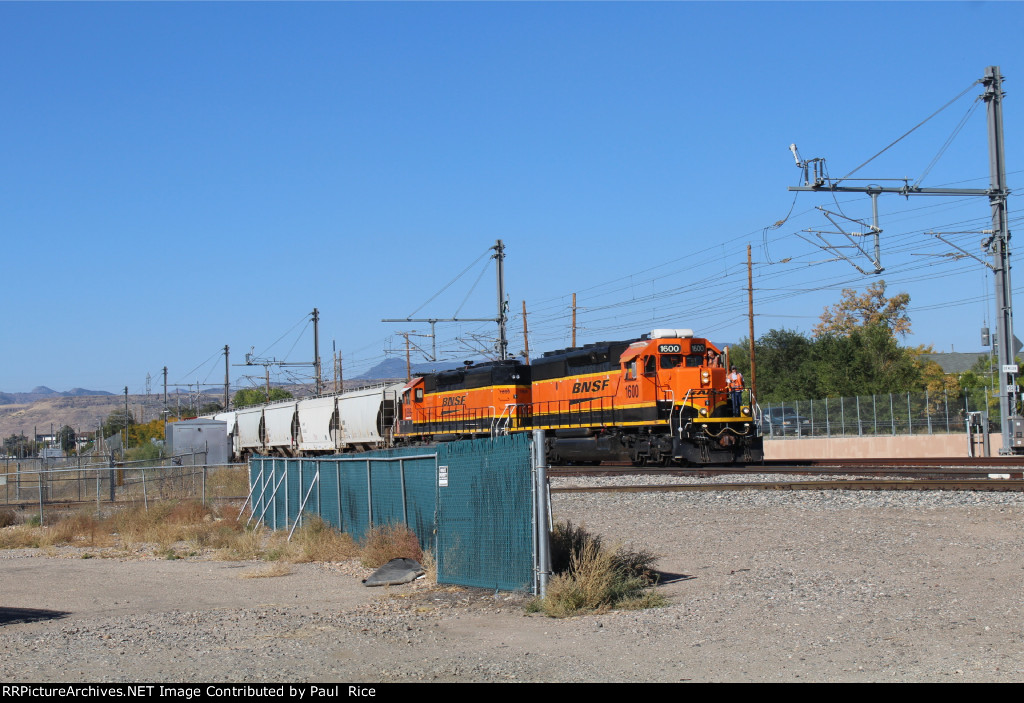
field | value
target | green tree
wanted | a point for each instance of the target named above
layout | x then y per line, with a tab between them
117	421
784	361
868	361
19	445
870	309
66	439
254	396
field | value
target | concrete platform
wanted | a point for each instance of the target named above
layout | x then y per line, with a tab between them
900	446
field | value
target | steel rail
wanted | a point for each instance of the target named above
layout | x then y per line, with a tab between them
995	484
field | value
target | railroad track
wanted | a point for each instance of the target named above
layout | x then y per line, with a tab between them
1001	467
943	474
989	484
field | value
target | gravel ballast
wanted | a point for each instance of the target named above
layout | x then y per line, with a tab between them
762	586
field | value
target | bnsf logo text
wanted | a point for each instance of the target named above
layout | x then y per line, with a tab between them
589	386
453	400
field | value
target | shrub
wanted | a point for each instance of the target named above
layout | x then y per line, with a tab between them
316	540
7	517
387	542
591	577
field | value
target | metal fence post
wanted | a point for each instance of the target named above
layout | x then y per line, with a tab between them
405	506
892	415
874	416
860	427
145	500
369	493
828	425
540	511
40	477
842	415
927	411
910	420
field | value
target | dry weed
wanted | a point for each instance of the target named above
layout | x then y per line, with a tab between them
245	545
596	578
20	537
316	540
387	542
228	482
7	517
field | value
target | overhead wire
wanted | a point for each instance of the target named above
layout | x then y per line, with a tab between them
910	131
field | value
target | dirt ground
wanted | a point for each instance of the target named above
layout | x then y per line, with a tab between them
772	588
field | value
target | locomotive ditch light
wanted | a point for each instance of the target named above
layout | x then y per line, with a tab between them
745	410
704	412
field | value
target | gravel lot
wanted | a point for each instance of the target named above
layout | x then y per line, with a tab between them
763	585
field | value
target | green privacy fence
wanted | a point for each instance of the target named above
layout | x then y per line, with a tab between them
471	503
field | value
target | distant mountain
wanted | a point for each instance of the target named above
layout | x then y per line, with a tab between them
44	393
395	368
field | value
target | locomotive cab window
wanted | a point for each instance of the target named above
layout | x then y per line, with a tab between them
631	370
651	366
694	360
419	395
670	361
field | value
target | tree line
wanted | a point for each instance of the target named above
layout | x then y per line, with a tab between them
855	350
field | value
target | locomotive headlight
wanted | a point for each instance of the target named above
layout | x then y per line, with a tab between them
704	412
705	376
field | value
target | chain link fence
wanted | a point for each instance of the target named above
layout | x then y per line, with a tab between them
38	484
872	415
470	502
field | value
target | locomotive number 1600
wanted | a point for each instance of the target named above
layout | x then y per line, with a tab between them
668	349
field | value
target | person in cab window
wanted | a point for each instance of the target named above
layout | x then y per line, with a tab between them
735	381
713	362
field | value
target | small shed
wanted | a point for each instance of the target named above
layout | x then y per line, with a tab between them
200	435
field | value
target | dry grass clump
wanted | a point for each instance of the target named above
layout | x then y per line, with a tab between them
245	545
387	542
80	528
314	540
7	517
164	523
20	537
592	577
228	482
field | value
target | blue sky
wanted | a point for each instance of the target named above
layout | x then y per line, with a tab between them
175	177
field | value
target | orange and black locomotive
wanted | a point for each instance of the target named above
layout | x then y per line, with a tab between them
661	399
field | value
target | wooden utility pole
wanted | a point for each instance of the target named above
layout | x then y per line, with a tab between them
526	336
750	314
408	359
